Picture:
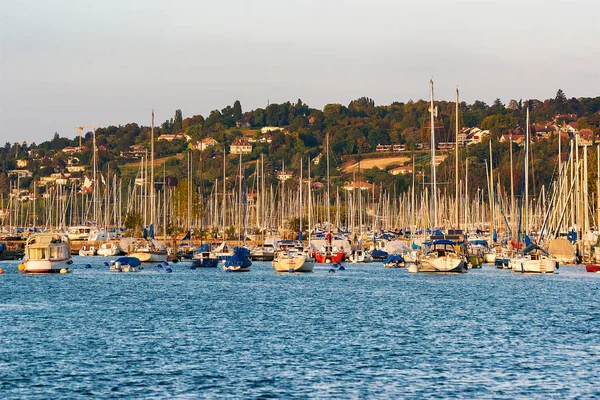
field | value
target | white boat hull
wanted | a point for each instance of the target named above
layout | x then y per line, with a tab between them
44	266
526	265
489	258
439	264
295	264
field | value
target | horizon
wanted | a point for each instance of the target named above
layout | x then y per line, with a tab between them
73	63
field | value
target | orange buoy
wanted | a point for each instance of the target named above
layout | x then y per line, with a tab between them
1	271
21	267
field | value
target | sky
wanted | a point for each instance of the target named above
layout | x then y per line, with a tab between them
66	63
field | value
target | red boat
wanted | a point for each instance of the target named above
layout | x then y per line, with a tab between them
592	268
327	255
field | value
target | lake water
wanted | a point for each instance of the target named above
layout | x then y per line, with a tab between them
365	332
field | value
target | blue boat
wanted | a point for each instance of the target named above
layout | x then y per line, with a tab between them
393	261
239	261
203	258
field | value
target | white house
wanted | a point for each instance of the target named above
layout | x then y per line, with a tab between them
240	146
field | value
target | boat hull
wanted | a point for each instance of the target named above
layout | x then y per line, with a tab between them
46	266
329	258
295	264
205	262
524	265
440	265
592	268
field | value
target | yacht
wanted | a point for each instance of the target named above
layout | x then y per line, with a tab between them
47	252
109	249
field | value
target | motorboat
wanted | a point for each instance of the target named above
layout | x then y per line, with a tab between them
239	261
109	249
125	264
223	252
87	250
47	252
292	260
266	252
394	261
203	258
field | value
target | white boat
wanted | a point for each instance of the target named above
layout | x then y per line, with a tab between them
533	260
223	251
47	252
83	232
360	256
109	249
87	250
441	257
149	251
125	264
292	261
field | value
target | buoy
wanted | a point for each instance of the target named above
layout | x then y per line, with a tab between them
175	261
327	261
159	266
106	263
291	270
165	263
169	270
21	267
63	271
88	265
192	266
332	271
1	271
341	268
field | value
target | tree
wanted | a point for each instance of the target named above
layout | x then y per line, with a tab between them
237	110
177	121
561	101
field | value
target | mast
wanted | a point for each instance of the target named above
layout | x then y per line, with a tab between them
328	194
526	197
152	210
300	203
456	187
309	202
433	179
95	183
492	221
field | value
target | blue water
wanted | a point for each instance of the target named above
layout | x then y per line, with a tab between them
364	332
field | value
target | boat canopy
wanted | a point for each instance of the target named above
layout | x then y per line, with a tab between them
393	258
131	261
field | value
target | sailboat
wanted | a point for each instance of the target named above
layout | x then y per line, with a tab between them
294	259
328	253
441	255
532	259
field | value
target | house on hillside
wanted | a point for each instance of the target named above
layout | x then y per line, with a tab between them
362	185
71	150
244	122
171	137
586	137
317	159
545	130
284	175
240	146
407	169
21	163
204	144
517	137
269	129
135	151
21	173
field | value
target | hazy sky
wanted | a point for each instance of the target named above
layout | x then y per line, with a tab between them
65	63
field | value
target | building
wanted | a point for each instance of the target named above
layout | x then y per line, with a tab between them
362	185
71	150
171	137
284	176
21	163
204	144
21	173
269	129
135	151
407	169
240	146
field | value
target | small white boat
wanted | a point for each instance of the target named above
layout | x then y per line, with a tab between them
87	250
47	252
360	256
109	249
292	261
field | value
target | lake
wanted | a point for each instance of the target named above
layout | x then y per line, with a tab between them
364	332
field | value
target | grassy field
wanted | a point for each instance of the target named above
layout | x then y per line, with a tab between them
379	162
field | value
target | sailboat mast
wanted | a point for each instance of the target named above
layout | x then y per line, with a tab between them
152	210
526	196
433	179
300	204
328	194
456	187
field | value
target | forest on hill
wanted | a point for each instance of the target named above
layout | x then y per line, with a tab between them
354	133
